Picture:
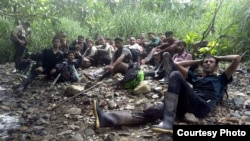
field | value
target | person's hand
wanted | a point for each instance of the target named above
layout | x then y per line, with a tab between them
52	71
22	42
217	58
143	61
146	43
111	68
77	53
40	69
78	47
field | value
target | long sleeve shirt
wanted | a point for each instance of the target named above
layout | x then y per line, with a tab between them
49	59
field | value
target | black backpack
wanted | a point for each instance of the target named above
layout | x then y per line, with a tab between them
136	54
67	72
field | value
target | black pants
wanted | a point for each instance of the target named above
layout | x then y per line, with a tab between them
188	101
19	52
103	57
165	67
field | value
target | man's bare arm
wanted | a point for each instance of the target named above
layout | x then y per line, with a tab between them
181	66
235	61
118	60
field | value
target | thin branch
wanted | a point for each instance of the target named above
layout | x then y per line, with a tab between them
210	26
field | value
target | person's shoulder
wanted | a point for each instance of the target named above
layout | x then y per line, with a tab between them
125	48
94	47
47	49
176	41
61	52
158	38
19	27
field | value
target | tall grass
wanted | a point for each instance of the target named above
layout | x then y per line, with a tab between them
128	20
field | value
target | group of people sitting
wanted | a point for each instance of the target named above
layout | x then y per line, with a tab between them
64	59
172	64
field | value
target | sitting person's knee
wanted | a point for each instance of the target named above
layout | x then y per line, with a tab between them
175	74
166	54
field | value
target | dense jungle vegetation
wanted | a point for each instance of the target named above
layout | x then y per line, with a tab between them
224	23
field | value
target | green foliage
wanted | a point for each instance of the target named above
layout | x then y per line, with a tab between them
91	18
6	48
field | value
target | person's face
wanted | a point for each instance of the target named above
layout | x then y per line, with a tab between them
63	41
25	27
170	37
139	41
132	40
151	36
162	37
143	35
71	56
80	40
209	65
89	44
180	48
56	43
118	44
102	41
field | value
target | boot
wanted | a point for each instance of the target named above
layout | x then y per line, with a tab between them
27	80
104	75
170	106
24	84
165	79
167	72
167	66
114	118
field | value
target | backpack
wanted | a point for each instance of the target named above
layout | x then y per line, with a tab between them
68	73
136	54
132	78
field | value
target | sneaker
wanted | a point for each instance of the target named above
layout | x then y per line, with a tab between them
20	88
23	77
15	71
164	81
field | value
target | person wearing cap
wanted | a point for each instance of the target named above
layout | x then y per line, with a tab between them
89	56
19	39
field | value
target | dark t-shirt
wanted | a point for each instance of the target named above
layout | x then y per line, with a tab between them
209	87
72	46
49	59
128	55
